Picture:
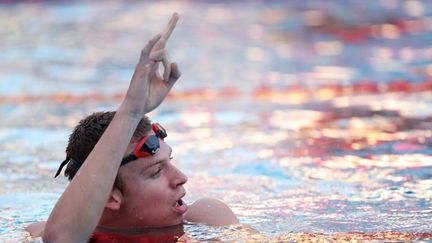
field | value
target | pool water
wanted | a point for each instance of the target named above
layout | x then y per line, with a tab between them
312	120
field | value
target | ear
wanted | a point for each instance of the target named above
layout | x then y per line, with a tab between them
114	200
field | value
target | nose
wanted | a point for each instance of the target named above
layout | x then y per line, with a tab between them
178	178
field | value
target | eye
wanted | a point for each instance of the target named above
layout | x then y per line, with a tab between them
157	172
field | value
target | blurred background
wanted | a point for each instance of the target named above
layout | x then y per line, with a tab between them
304	116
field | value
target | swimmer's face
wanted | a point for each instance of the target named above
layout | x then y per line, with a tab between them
153	189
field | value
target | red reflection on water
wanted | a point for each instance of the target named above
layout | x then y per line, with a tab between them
391	28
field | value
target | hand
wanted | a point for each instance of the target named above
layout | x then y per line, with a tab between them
161	44
147	89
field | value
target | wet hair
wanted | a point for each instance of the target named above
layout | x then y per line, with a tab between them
87	133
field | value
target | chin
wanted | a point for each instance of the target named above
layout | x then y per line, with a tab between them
165	224
173	223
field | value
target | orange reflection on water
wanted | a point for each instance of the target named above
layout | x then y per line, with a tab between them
294	95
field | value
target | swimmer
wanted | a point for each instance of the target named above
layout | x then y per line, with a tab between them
121	176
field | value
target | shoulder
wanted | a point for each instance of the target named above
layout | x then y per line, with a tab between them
210	211
36	229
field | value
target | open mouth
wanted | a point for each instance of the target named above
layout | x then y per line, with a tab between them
178	203
180	206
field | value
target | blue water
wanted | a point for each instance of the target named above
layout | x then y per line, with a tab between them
311	119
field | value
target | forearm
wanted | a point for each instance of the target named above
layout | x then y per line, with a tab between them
80	207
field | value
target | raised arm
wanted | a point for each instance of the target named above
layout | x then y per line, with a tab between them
78	211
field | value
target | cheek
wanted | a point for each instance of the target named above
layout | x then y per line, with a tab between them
148	195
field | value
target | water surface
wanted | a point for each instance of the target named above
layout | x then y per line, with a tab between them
311	119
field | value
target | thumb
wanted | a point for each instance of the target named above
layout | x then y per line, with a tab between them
175	73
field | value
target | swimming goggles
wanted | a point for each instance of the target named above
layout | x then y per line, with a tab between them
147	146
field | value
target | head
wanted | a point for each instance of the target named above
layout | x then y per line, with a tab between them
146	190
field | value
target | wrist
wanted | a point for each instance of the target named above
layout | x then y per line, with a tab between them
133	113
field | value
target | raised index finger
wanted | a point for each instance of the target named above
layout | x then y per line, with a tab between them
170	27
145	53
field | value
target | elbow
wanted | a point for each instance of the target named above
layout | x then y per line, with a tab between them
49	236
54	236
51	233
47	232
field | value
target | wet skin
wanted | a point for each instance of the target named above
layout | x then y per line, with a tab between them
153	187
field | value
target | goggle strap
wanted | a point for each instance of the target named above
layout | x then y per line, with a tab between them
159	131
128	159
61	166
